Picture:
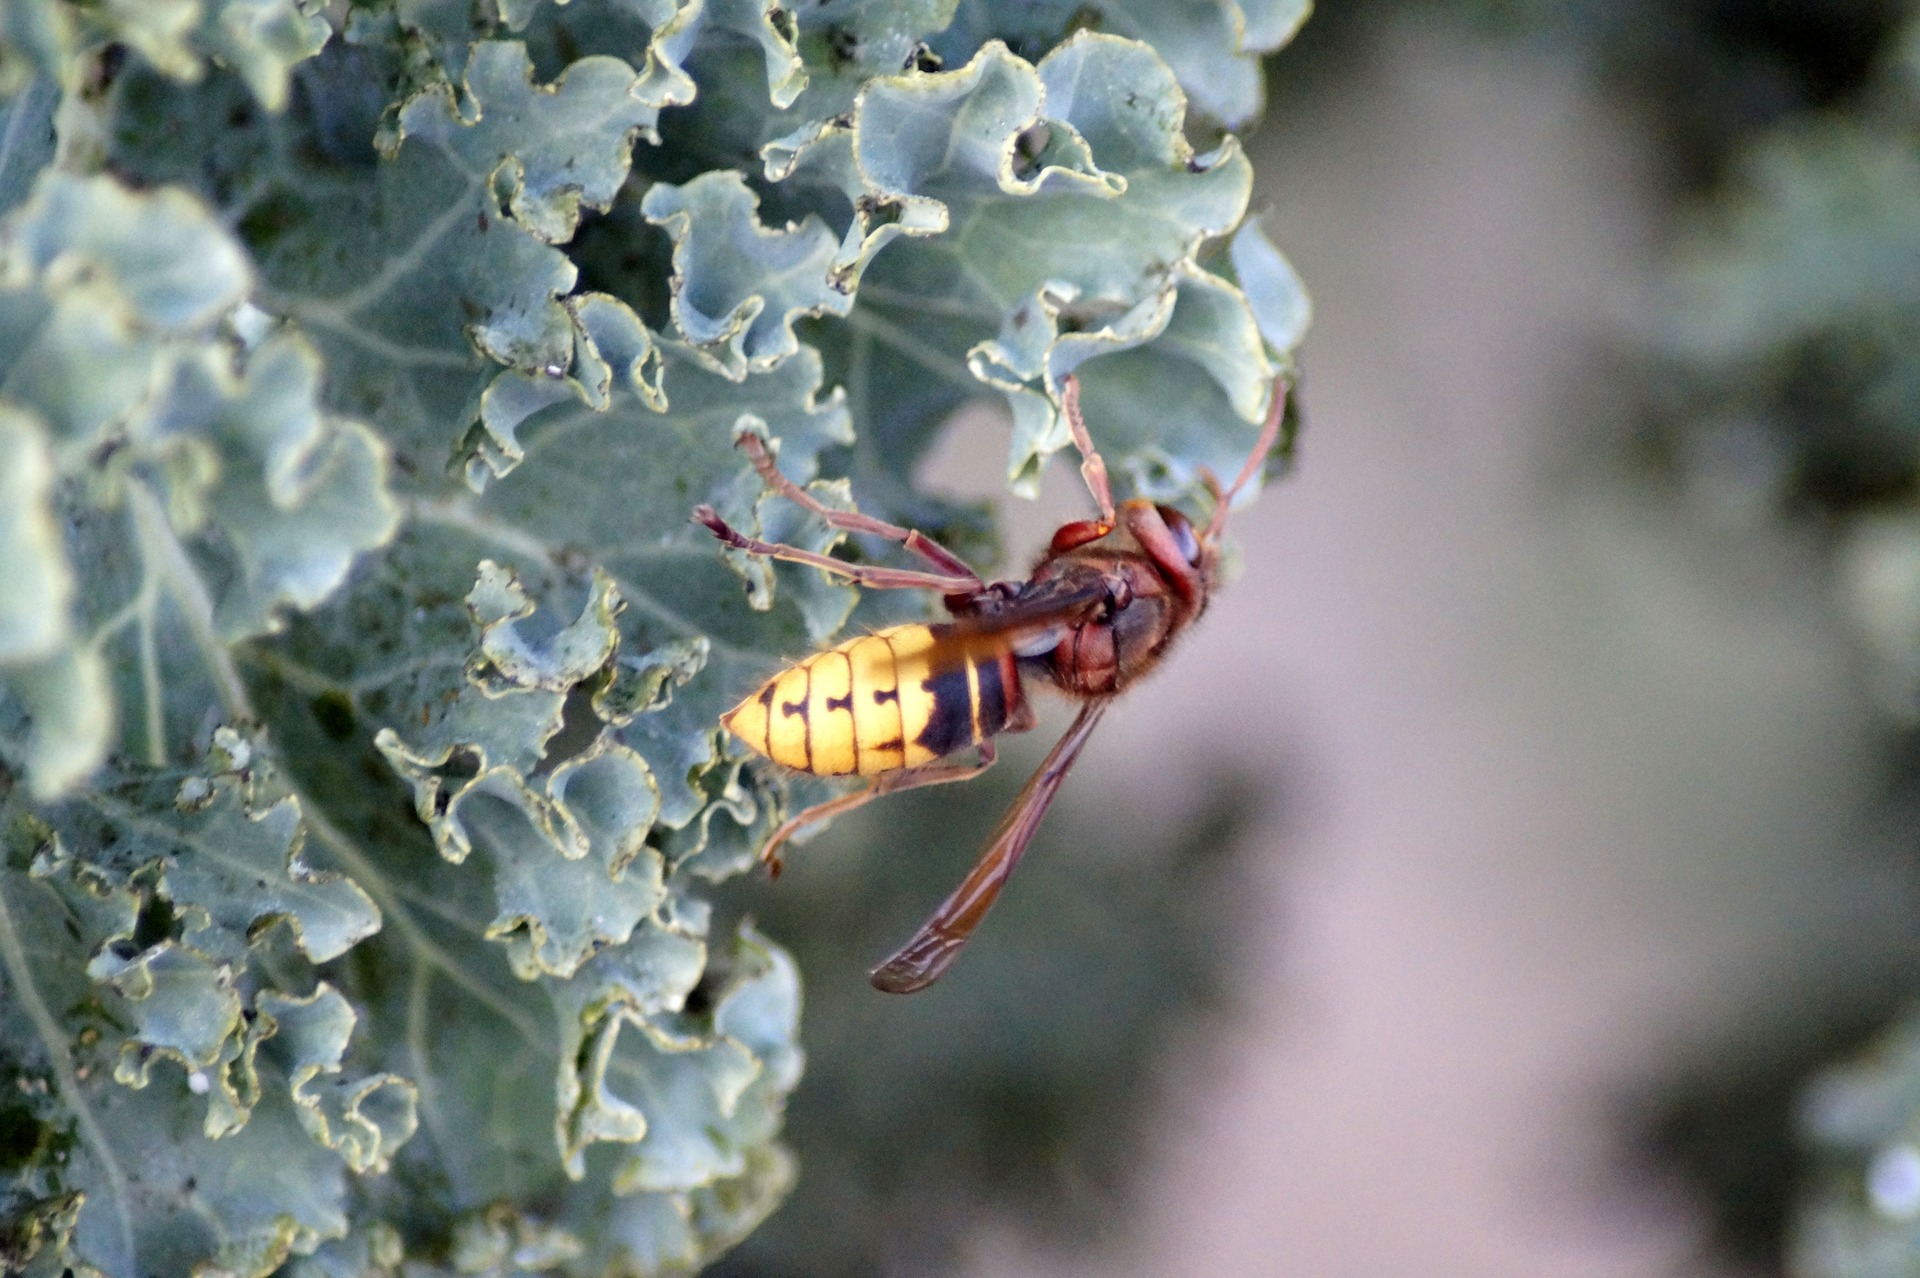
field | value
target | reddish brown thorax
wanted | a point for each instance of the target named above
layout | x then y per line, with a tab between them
1157	574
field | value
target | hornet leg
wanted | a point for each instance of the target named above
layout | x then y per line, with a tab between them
917	542
869	575
885	783
1093	469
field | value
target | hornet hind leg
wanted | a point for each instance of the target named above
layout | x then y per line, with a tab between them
885	783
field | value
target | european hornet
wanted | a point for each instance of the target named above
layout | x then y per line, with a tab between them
1098	612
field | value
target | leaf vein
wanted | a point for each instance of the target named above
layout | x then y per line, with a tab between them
20	970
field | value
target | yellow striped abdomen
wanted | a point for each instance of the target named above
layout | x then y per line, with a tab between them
895	699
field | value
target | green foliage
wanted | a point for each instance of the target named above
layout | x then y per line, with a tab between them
360	772
1785	383
1792	380
1862	1119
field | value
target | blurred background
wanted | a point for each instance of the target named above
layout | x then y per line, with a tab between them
1516	872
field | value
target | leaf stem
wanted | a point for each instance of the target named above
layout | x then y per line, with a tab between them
396	914
166	558
344	306
921	304
928	357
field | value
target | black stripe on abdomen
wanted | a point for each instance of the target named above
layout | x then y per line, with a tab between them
993	695
950	725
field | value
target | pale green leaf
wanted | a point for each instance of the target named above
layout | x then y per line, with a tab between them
1213	46
555	148
740	284
261	40
36	589
1279	299
1824	231
207	1120
364	1119
27	140
1060	213
204	487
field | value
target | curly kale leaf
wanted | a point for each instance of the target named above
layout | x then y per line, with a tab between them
185	1073
259	40
176	486
360	671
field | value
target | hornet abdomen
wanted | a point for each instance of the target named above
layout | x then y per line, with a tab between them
894	699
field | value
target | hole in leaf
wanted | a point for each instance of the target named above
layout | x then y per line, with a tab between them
1029	147
463	764
157	922
621	253
579	728
700	999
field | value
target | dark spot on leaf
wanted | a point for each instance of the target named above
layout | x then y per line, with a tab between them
333	711
878	213
480	221
843	46
106	68
22	1136
272	217
108	447
1085	18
